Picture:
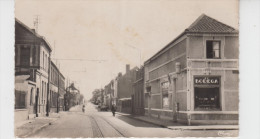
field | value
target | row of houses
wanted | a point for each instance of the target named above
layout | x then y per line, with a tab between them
39	84
194	79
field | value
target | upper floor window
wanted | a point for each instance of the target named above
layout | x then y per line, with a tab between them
213	49
25	56
43	60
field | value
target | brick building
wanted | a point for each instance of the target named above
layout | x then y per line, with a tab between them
194	79
125	89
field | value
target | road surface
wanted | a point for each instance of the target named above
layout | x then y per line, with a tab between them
93	123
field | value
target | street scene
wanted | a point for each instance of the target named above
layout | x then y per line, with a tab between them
94	123
123	69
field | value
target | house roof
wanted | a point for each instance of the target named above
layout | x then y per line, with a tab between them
34	33
207	24
203	24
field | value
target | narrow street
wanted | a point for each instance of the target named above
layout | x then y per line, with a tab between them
94	123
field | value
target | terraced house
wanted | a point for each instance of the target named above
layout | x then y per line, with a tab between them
32	54
57	89
194	79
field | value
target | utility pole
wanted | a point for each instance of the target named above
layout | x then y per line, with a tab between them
58	95
48	85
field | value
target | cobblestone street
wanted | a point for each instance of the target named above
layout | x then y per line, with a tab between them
94	123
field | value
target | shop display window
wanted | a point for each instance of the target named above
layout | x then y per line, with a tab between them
207	98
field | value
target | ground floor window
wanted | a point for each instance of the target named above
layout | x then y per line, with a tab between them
20	99
165	101
165	94
207	98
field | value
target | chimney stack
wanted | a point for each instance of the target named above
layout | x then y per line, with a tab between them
127	68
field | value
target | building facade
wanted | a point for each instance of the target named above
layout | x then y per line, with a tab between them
194	79
108	94
71	97
32	56
114	87
57	89
125	90
61	92
138	92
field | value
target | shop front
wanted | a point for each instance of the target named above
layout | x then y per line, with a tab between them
207	93
212	97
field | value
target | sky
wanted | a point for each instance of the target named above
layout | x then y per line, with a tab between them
93	40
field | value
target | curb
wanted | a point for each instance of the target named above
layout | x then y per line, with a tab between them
144	121
38	128
184	127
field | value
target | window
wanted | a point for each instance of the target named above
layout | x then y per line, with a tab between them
42	90
207	98
43	60
207	93
20	99
34	55
16	54
165	96
25	56
46	61
213	49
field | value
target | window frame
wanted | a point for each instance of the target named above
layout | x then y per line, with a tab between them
163	94
206	46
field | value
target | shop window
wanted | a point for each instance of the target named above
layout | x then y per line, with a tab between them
207	98
213	49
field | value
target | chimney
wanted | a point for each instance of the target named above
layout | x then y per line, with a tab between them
127	68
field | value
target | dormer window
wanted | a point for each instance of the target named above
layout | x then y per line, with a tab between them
213	49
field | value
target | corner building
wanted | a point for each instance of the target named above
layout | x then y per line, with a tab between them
32	57
194	79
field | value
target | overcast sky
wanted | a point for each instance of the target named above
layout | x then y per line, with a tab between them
115	32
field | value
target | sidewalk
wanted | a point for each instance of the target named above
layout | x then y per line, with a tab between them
28	127
178	126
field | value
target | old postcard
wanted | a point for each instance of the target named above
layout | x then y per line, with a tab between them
123	68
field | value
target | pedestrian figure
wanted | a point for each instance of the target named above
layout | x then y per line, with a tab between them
113	109
83	108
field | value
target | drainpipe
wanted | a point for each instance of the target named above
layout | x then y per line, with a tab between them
48	86
58	95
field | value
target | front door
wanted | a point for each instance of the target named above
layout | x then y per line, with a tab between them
36	102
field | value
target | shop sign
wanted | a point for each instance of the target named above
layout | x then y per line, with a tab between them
206	80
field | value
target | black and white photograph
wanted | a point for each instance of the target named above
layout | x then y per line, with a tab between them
123	68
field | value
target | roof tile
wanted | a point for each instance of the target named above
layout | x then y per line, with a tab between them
207	24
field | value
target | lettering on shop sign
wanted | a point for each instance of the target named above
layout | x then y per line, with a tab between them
206	80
